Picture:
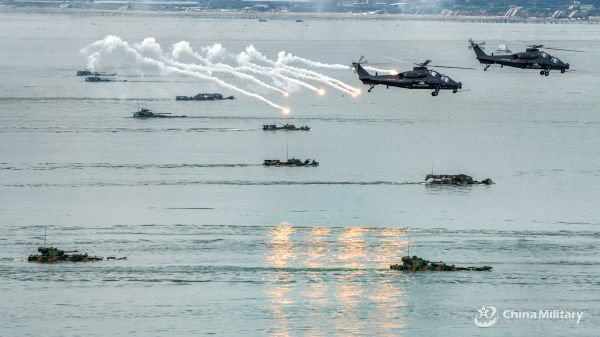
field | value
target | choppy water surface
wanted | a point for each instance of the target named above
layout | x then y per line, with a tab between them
218	244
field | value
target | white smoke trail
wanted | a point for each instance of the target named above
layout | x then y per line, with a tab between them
110	43
285	58
274	73
244	60
389	71
303	75
214	51
150	45
253	53
335	83
217	50
270	72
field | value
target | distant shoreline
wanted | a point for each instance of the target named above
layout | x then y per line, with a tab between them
240	15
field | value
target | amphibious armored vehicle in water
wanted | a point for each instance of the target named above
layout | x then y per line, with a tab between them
285	127
147	113
455	179
102	79
290	162
204	97
415	263
52	254
92	73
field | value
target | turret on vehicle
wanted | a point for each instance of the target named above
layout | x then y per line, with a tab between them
147	113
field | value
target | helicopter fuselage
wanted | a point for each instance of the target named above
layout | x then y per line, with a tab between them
418	78
531	58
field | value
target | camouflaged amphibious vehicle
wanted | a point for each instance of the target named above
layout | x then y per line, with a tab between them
415	263
204	97
285	127
53	254
291	162
147	113
455	179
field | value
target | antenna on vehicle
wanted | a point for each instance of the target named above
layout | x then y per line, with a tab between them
408	233
45	236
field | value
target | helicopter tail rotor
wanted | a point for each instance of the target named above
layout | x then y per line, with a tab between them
361	60
473	44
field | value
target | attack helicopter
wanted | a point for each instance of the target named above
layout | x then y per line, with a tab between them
532	58
421	77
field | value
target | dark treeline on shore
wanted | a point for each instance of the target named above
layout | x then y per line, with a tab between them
555	9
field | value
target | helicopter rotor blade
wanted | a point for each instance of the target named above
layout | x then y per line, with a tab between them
541	46
422	64
572	50
471	46
425	63
467	68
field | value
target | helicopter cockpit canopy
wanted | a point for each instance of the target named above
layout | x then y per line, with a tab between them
525	56
414	74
